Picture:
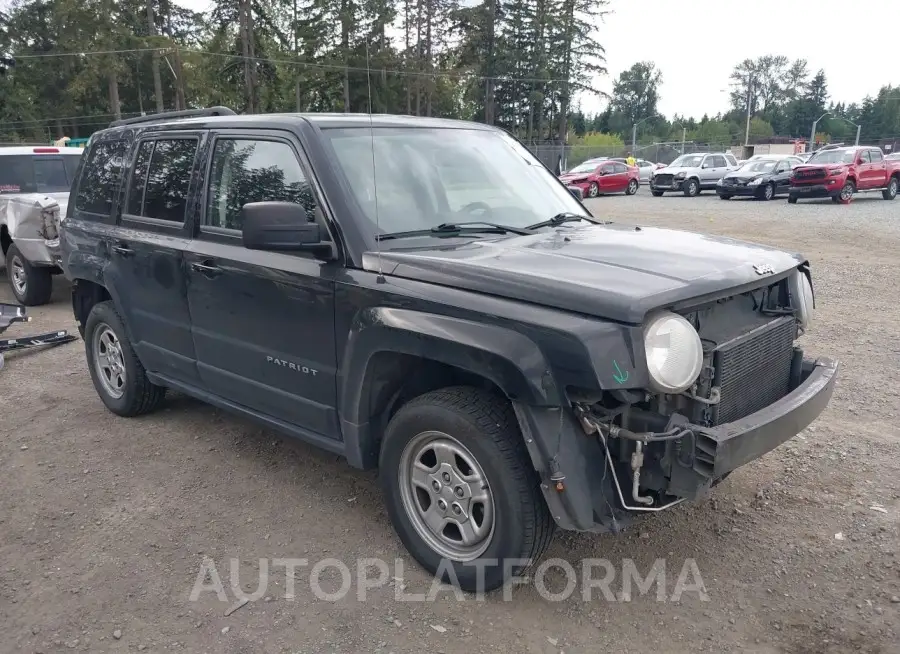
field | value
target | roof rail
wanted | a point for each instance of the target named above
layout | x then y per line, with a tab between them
167	115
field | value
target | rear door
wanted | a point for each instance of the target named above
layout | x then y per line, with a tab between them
263	322
618	178
878	169
147	251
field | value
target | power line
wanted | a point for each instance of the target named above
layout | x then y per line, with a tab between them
25	123
304	64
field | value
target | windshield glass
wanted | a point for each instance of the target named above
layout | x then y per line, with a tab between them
584	168
833	157
426	177
759	166
687	161
25	173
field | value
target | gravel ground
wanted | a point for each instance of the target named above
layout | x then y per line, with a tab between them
105	522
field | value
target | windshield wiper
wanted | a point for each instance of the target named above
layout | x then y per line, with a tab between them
469	227
559	219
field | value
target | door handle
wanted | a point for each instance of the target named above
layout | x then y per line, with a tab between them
123	250
206	269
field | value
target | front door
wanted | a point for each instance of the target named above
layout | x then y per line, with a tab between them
607	178
146	251
263	322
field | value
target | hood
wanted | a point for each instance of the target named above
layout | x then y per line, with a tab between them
565	177
673	170
740	174
617	272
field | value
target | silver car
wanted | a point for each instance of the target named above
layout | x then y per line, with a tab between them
692	173
34	194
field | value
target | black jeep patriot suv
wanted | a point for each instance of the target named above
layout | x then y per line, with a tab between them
424	297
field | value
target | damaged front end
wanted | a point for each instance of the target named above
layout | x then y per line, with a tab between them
749	389
32	222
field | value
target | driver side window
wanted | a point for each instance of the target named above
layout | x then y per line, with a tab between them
244	171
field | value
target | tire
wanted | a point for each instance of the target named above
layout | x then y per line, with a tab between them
792	199
846	194
593	190
479	429
122	385
692	188
657	194
891	191
767	192
31	285
632	187
725	197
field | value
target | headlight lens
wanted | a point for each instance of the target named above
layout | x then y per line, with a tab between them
803	299
680	175
674	353
755	181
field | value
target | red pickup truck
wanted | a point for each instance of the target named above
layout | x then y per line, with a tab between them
839	173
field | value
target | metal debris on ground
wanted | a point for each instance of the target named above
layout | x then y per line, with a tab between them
13	313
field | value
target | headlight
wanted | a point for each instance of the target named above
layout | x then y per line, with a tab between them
802	298
680	175
755	181
674	353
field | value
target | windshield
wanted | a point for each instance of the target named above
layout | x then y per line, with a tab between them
25	173
687	161
584	168
833	157
427	177
759	166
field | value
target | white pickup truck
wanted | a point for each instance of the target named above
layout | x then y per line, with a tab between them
34	194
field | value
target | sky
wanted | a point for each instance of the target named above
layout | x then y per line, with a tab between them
696	43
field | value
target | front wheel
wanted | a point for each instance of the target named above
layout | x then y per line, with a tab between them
460	488
692	188
891	191
767	192
846	194
32	285
632	187
725	197
593	190
792	199
118	375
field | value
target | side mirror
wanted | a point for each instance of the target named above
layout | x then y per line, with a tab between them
576	192
281	226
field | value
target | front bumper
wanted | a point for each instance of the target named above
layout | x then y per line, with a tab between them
676	185
724	448
573	468
736	190
815	190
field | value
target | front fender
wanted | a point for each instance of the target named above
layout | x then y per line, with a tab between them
507	358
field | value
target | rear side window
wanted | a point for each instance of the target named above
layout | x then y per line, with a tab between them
100	178
160	179
245	171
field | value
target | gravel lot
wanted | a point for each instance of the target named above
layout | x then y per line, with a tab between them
104	522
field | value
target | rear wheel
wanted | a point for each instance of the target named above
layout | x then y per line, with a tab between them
632	187
117	373
692	188
460	488
891	191
593	190
32	285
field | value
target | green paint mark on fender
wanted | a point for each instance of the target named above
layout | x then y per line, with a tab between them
620	376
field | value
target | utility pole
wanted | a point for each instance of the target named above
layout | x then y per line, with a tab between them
812	136
749	105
